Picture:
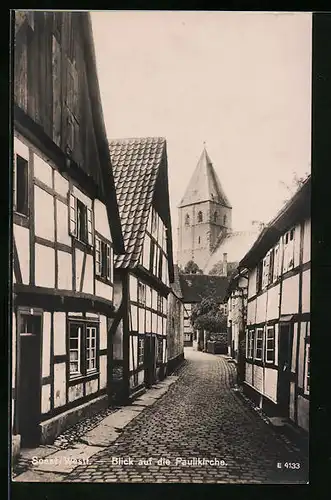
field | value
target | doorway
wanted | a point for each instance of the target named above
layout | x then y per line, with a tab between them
150	361
284	367
29	377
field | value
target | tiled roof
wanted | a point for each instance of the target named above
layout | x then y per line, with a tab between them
204	184
195	287
136	165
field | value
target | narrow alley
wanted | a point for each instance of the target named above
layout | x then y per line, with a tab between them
201	418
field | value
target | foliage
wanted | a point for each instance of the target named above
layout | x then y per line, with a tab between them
207	316
295	184
217	269
192	268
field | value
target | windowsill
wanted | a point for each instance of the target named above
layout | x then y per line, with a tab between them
73	380
106	281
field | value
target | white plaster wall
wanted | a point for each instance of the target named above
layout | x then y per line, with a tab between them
61	184
103	371
62	223
134	317
251	312
303	413
133	358
306	291
44	214
45	398
306	241
249	373
21	148
261	304
142	326
64	270
42	170
154	323
22	240
89	275
46	342
148	322
118	292
141	377
44	266
258	378
290	295
79	267
133	288
103	290
59	384
297	237
252	283
101	223
164	351
103	332
91	386
270	387
273	302
59	333
92	315
75	392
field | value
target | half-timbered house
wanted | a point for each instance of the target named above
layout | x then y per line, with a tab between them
65	228
277	374
144	273
175	325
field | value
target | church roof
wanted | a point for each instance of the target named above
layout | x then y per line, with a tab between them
235	244
204	184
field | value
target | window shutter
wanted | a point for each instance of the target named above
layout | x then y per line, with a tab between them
89	227
73	215
108	262
97	256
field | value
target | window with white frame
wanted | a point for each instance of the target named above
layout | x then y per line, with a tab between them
250	344
103	259
21	185
80	221
159	303
307	369
276	263
83	356
259	344
265	270
288	246
140	351
270	345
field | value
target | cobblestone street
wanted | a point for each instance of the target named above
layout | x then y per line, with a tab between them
200	417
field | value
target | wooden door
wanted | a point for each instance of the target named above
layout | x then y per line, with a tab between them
29	387
150	364
284	367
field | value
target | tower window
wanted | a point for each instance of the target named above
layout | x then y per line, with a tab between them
215	216
224	220
199	240
187	220
200	218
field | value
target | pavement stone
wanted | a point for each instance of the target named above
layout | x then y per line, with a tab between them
200	416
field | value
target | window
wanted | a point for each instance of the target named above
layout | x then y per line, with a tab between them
159	350
265	271
224	220
200	216
83	357
250	344
288	262
199	240
159	303
140	351
215	216
80	221
20	185
141	293
154	222
259	344
187	220
271	266
307	370
259	271
103	259
276	261
270	345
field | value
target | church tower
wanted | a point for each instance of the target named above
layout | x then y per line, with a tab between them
203	213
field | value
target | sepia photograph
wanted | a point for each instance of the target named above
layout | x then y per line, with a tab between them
161	246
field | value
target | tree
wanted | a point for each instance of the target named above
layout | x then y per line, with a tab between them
217	269
295	184
192	268
207	316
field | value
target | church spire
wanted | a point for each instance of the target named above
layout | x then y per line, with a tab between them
204	184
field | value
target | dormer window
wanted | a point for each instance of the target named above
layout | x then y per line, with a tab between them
200	216
187	220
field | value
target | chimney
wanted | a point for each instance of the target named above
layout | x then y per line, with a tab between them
225	264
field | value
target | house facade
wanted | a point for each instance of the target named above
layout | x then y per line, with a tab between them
277	365
66	228
175	325
144	273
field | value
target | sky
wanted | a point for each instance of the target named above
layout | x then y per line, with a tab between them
238	81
